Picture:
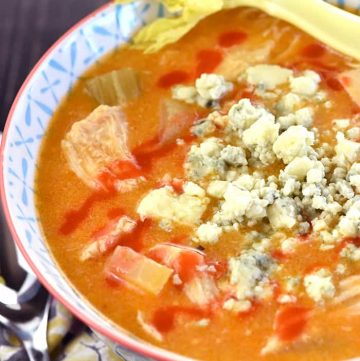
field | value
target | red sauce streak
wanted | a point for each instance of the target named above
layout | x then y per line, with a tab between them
118	170
181	239
231	38
279	255
314	50
147	152
125	169
164	318
173	78
115	212
334	84
135	239
188	261
73	218
290	322
208	60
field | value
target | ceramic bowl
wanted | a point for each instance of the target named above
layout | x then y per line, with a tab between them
50	80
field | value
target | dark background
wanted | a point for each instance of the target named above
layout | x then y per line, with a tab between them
27	30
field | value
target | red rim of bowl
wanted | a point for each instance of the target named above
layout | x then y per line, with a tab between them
121	339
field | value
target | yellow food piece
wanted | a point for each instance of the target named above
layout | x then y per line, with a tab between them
165	31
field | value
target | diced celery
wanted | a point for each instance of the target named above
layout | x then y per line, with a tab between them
140	271
114	88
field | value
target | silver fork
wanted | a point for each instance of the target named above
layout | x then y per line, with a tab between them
30	329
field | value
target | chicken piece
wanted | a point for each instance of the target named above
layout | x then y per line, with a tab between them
190	266
108	238
138	270
202	289
95	142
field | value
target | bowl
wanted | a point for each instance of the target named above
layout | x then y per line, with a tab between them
50	80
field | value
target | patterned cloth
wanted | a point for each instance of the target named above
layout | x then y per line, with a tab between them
68	340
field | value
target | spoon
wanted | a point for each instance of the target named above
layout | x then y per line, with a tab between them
333	26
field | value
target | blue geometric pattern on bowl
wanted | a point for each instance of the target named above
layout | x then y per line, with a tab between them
99	34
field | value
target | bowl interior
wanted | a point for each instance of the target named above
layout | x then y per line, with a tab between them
51	79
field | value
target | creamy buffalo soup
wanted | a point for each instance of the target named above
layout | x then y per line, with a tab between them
206	197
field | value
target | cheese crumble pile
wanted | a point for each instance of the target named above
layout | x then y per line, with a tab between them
265	166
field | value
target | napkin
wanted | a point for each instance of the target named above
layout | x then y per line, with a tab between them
68	340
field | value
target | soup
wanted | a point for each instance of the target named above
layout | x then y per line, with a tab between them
206	197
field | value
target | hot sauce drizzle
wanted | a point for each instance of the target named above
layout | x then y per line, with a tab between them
313	50
164	318
73	218
173	78
208	60
290	322
231	38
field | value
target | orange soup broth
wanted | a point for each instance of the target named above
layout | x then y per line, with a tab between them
228	337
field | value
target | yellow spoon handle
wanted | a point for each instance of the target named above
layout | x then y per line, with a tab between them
333	26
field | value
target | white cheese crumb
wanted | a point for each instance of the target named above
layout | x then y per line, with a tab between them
349	224
341	124
351	252
288	103
347	149
319	285
299	167
353	133
283	213
212	86
185	93
340	269
243	114
234	155
294	142
192	189
208	233
260	137
267	76
315	175
248	270
288	245
307	84
164	203
285	298
204	322
237	306
217	188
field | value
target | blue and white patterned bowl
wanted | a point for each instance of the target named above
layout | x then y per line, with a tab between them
50	80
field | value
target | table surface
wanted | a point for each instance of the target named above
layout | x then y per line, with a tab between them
27	30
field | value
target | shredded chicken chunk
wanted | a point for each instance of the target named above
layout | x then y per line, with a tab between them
95	142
